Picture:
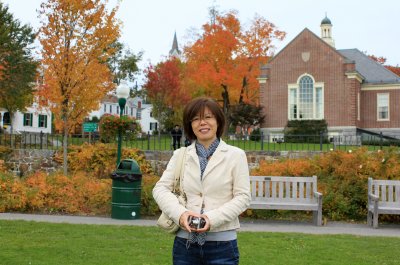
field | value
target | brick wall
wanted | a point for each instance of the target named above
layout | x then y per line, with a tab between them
325	65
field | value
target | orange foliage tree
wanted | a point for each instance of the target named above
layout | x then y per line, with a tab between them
382	60
165	89
76	37
224	62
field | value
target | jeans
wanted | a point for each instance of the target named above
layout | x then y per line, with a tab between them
212	252
176	141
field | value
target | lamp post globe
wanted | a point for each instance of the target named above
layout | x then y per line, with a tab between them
122	94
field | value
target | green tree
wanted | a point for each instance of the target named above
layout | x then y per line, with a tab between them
246	115
17	65
123	63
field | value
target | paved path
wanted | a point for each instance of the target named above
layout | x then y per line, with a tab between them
246	225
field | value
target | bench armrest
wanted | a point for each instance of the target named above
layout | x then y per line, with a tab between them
317	194
373	197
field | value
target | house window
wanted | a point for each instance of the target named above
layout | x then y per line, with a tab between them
153	126
105	108
306	99
117	109
139	114
132	111
110	109
28	117
42	121
6	118
383	107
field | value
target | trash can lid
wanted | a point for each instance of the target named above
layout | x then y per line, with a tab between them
129	166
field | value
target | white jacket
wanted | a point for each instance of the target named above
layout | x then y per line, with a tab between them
224	190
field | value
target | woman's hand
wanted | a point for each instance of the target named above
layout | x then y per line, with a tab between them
183	220
206	226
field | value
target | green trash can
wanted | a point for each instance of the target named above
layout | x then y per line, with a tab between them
126	190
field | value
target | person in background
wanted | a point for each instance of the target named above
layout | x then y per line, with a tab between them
216	183
176	134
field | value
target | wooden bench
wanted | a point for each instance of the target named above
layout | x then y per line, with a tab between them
383	198
287	193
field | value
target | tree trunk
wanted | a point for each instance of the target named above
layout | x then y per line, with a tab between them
244	84
65	148
225	97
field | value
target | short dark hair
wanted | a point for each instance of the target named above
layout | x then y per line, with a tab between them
196	107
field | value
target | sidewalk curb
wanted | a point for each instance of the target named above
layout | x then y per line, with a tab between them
332	228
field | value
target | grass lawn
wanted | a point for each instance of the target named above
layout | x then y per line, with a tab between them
25	242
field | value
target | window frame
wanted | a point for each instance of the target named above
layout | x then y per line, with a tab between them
42	117
296	87
378	106
28	119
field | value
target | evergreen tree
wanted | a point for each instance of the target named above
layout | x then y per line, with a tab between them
17	65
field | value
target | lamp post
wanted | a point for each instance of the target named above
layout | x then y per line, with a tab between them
122	94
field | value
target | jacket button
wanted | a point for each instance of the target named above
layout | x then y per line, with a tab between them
201	194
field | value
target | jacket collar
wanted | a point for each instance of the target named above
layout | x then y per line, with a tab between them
215	159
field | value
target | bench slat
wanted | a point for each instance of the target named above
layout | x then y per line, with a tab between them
383	192
294	191
287	190
280	178
385	182
390	193
301	193
308	190
397	199
273	189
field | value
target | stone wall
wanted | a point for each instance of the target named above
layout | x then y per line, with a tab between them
159	159
22	161
25	161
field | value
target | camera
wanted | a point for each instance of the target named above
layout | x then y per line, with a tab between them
196	222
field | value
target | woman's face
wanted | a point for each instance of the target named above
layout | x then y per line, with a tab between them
205	129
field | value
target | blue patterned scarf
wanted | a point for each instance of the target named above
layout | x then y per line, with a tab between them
204	154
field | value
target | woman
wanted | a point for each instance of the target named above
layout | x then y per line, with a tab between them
217	187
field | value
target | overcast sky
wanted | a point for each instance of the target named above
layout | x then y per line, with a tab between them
149	25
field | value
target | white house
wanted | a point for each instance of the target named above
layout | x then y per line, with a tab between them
33	119
148	123
133	108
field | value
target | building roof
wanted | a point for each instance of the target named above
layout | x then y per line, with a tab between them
174	50
372	71
326	21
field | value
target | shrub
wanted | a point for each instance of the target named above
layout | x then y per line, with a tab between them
80	194
342	177
5	152
111	124
300	131
255	135
99	160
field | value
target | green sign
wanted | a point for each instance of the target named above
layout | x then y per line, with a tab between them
89	127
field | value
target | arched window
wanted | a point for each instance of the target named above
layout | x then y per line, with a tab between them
306	95
305	99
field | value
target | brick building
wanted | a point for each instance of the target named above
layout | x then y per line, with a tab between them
310	79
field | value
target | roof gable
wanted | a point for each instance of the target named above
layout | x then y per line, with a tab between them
303	32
